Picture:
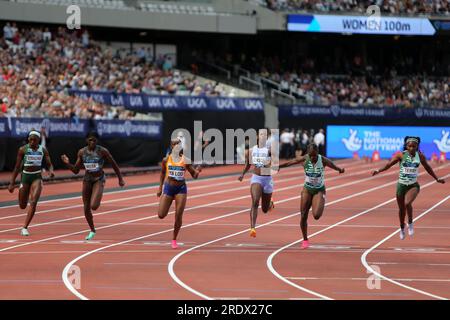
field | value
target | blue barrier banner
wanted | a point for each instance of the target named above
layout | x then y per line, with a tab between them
367	113
360	24
54	127
127	128
344	141
157	103
4	127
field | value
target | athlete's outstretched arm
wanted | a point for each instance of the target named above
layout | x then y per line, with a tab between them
49	163
292	162
194	171
427	167
396	159
77	166
247	165
116	168
162	177
327	162
19	159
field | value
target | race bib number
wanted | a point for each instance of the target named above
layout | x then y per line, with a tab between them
315	181
410	170
92	166
34	160
260	161
176	174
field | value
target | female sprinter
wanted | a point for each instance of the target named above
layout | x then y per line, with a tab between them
313	194
407	186
173	168
29	160
261	185
92	157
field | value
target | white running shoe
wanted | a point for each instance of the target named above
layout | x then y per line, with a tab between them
24	232
410	229
402	234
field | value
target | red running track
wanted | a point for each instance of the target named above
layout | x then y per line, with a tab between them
131	257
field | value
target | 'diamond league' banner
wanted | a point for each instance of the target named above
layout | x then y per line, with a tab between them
366	113
157	103
126	128
56	127
344	141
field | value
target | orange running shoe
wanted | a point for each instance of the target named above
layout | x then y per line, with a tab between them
253	232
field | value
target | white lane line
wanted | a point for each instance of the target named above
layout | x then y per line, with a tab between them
271	257
191	197
290	171
365	279
188	288
133	197
69	265
370	269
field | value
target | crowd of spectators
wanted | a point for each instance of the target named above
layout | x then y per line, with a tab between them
351	82
38	67
409	7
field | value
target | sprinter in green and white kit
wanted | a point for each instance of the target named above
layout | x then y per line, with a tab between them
29	160
313	194
407	185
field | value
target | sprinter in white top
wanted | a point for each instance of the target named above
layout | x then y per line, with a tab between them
261	185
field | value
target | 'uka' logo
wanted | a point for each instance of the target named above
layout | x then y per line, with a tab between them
225	104
136	101
117	100
196	103
353	143
169	103
251	104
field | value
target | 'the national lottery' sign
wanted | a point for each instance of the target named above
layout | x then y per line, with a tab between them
344	141
359	24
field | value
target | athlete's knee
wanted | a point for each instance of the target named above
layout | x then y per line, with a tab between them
162	215
304	215
95	206
255	204
265	209
317	216
22	205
